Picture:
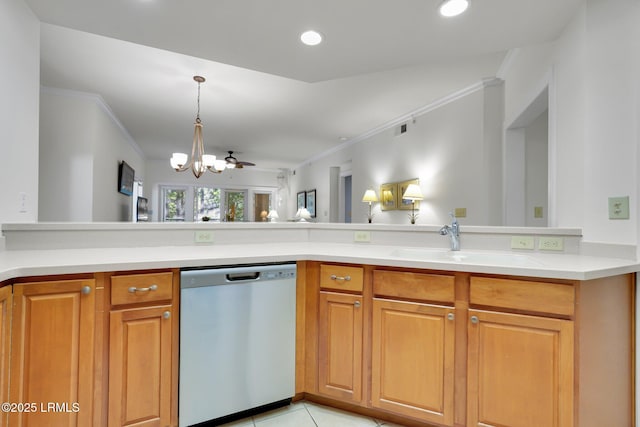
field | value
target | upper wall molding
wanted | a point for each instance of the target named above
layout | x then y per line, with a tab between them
410	116
100	102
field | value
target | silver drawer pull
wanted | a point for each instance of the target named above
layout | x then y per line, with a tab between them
474	319
340	278
166	315
86	290
356	304
451	316
133	289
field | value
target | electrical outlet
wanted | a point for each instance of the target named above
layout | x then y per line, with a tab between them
203	236
460	212
550	243
619	207
362	236
22	200
522	242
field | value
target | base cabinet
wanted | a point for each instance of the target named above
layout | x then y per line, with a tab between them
520	371
340	346
412	363
436	348
140	367
143	340
53	353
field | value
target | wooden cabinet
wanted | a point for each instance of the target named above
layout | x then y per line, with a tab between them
6	302
413	346
143	350
520	367
520	371
419	347
340	332
53	353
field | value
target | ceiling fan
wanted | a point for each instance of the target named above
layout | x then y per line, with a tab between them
232	162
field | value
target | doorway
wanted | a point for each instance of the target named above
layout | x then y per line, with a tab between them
526	166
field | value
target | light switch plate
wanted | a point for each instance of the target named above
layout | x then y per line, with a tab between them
203	236
362	236
619	207
522	242
538	212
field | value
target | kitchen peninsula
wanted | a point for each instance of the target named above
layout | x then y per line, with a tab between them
432	337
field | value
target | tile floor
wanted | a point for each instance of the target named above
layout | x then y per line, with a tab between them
307	414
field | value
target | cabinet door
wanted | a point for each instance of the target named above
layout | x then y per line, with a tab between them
5	347
340	346
520	371
413	359
53	352
140	352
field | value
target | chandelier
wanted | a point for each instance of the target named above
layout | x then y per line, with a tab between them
199	162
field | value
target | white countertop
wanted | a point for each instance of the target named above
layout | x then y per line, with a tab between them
35	262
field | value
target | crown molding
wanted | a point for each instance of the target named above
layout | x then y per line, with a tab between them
410	116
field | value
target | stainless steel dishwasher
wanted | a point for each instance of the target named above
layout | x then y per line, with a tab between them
237	341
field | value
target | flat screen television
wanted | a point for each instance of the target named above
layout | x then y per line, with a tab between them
125	178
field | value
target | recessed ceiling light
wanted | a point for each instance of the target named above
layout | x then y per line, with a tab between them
311	38
453	7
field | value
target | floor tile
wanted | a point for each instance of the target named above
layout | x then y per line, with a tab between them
296	406
329	417
295	418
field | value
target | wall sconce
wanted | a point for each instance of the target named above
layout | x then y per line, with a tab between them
413	193
303	215
370	196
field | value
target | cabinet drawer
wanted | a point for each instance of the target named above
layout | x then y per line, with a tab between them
553	298
137	288
340	277
415	286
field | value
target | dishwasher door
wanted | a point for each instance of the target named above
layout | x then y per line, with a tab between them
237	340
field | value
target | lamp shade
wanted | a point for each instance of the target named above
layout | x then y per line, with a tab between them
370	196
413	192
273	215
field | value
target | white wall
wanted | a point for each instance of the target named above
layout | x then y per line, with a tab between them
536	170
453	150
81	146
593	73
19	86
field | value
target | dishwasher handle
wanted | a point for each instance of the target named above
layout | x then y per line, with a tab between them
243	277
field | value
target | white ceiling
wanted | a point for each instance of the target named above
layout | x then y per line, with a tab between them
267	96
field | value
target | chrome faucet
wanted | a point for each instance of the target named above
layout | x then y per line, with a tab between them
453	231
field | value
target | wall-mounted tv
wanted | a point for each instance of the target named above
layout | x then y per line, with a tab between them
125	178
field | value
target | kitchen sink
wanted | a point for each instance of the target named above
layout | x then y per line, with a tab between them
467	257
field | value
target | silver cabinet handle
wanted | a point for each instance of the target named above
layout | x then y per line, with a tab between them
86	290
356	304
133	289
341	278
166	315
451	316
474	319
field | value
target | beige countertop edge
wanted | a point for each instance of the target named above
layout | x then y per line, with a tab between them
15	264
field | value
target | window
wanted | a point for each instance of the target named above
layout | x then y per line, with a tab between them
192	203
206	204
234	201
174	203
